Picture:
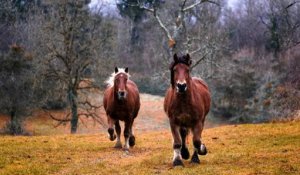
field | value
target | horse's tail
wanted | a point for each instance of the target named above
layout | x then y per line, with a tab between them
184	151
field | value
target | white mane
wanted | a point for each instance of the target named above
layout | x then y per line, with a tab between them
111	79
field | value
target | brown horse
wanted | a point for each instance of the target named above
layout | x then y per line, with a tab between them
187	103
121	102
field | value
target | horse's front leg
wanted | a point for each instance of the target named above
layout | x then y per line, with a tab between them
128	125
111	122
199	148
177	159
118	131
131	137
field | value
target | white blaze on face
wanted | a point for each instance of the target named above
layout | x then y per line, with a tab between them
181	82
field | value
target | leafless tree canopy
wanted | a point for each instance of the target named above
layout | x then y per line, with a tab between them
65	49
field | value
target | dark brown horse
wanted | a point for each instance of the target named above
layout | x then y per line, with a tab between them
121	102
187	102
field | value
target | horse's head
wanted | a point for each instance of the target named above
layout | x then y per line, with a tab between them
180	72
120	81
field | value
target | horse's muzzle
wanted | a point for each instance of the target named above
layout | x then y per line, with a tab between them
181	87
122	95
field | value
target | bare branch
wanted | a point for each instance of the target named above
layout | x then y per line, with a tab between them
199	61
291	4
87	102
199	2
167	32
183	5
141	6
58	119
195	51
154	11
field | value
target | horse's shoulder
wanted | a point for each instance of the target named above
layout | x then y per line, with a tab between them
107	96
168	97
132	86
108	90
130	83
200	82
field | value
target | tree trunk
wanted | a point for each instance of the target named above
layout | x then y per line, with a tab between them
180	36
73	105
15	125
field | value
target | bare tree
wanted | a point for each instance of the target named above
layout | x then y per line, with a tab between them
175	30
69	35
282	23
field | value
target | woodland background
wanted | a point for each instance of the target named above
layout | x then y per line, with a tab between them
55	54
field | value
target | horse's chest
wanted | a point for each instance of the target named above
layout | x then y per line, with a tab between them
120	112
184	114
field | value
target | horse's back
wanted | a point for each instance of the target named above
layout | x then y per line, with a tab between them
202	89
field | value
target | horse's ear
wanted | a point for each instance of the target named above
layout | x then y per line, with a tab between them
126	69
188	56
116	70
188	59
175	57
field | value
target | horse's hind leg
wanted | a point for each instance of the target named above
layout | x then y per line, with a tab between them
184	150
199	148
111	122
118	131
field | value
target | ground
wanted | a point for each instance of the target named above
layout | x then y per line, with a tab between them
271	148
241	149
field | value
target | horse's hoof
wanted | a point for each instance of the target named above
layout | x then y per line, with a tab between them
111	134
131	141
112	137
185	153
126	153
195	159
118	145
203	150
126	149
177	162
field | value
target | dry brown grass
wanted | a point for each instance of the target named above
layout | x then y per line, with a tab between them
240	149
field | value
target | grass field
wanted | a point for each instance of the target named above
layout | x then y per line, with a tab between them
237	149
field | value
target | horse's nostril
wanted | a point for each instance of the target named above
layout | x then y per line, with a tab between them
122	93
181	87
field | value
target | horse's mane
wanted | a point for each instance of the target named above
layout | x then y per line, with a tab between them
111	79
